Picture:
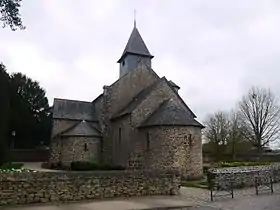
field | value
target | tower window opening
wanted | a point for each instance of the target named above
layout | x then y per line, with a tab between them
148	141
86	147
120	135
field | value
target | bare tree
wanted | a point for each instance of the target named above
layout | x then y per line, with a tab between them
217	132
235	133
259	115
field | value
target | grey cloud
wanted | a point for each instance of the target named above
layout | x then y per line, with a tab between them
215	50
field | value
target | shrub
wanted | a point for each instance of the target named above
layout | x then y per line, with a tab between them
45	165
237	164
8	166
83	166
52	165
91	166
205	169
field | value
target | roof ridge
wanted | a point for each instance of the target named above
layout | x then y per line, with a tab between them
159	106
99	96
83	123
67	129
180	98
99	131
149	89
65	99
130	72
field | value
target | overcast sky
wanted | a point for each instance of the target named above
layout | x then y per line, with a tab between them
215	50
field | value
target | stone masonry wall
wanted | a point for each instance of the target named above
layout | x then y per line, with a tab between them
43	187
120	93
166	145
244	176
130	150
57	127
122	147
73	149
171	149
160	93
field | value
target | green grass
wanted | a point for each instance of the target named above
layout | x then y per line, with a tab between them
197	183
10	166
237	164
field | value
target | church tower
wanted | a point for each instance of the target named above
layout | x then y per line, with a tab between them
134	51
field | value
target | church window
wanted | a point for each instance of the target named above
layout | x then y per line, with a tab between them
190	139
120	135
123	62
148	141
86	147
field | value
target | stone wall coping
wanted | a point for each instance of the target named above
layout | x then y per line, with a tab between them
245	169
27	175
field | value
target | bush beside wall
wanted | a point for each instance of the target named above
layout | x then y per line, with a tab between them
42	187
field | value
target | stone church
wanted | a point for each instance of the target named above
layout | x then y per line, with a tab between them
139	122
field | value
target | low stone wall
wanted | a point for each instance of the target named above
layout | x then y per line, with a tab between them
42	187
243	176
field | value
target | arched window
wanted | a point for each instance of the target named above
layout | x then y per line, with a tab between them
188	139
148	143
120	135
86	147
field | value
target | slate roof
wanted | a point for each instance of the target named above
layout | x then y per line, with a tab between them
173	84
136	100
82	128
97	98
142	95
170	114
136	45
180	98
73	110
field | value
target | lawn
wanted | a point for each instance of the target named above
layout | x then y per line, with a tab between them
11	166
202	183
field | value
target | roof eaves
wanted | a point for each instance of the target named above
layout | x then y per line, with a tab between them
180	97
67	129
166	125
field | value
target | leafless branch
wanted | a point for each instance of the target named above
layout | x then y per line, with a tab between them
259	116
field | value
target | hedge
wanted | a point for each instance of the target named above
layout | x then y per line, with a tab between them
8	166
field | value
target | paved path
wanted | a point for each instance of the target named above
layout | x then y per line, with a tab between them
37	167
243	199
198	198
116	204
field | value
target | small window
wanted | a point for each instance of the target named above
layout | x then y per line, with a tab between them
120	135
148	141
190	138
123	62
86	147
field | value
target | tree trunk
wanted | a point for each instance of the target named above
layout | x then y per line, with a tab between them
233	151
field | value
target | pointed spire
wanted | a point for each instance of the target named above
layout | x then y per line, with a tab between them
134	18
136	45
